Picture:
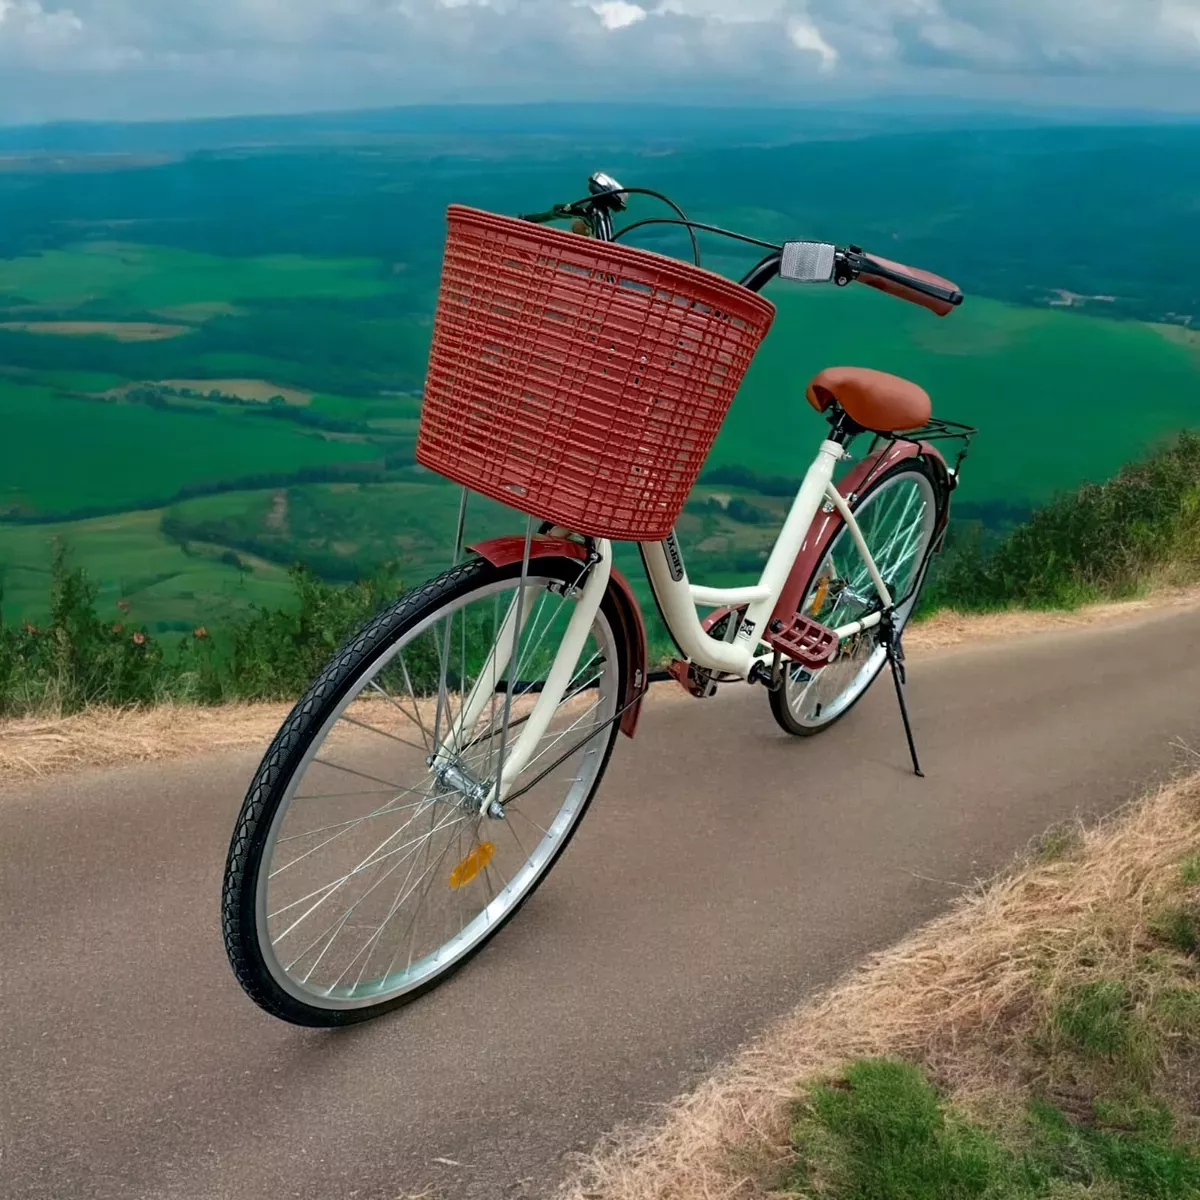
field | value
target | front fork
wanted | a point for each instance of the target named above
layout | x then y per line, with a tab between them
515	758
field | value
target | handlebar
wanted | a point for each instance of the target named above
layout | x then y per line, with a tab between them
906	283
814	262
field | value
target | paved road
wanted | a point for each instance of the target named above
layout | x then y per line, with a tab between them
724	872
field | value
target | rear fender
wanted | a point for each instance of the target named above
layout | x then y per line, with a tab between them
826	525
503	551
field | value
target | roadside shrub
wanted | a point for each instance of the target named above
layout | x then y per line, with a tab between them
1103	541
79	659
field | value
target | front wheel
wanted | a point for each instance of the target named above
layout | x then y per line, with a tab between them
898	515
361	872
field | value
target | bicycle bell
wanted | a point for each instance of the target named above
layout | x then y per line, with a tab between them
601	183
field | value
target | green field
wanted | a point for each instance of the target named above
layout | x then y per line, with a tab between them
141	278
166	585
1058	397
316	271
62	455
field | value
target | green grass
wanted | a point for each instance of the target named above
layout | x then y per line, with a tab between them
1189	871
1060	398
881	1131
1099	1020
1178	925
129	558
146	278
60	455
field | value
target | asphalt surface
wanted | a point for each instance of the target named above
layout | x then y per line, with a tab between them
724	872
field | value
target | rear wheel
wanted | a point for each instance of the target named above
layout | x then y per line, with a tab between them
898	516
361	872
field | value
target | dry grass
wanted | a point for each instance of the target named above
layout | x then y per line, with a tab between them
121	331
948	628
35	747
962	996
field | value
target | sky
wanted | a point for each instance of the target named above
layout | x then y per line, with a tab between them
144	59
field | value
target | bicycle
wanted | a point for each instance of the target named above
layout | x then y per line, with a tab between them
436	770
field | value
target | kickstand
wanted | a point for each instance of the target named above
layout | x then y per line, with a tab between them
895	653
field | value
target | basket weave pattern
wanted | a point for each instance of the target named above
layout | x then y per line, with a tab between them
580	381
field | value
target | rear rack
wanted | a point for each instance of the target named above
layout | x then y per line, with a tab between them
935	430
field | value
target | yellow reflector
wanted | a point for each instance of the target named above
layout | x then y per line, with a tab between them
472	864
819	596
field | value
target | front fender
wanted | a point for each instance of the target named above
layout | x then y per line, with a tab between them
503	551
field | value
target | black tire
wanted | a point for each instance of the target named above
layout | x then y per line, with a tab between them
780	708
269	786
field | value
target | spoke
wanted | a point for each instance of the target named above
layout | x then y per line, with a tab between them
443	695
492	728
383	925
331	888
381	732
393	786
487	876
411	928
462	916
528	660
546	749
415	715
520	844
343	795
520	661
330	931
425	858
301	857
328	889
416	910
379	812
521	813
340	922
362	866
416	703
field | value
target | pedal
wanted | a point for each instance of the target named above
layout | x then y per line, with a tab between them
694	680
805	641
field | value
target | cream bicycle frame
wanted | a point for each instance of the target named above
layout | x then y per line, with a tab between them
678	599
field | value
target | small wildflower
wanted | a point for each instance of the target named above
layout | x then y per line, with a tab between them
29	628
118	628
200	632
139	638
124	605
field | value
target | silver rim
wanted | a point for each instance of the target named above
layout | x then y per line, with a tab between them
897	521
378	874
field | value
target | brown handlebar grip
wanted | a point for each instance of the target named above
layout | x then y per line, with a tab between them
893	288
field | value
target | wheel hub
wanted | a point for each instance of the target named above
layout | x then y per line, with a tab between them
453	777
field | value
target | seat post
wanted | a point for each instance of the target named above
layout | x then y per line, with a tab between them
843	429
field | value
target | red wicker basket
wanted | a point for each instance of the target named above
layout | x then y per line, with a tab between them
577	380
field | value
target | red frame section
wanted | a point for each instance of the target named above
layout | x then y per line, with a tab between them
826	525
502	551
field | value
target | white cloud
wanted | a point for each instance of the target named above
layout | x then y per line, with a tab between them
128	55
617	14
804	35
